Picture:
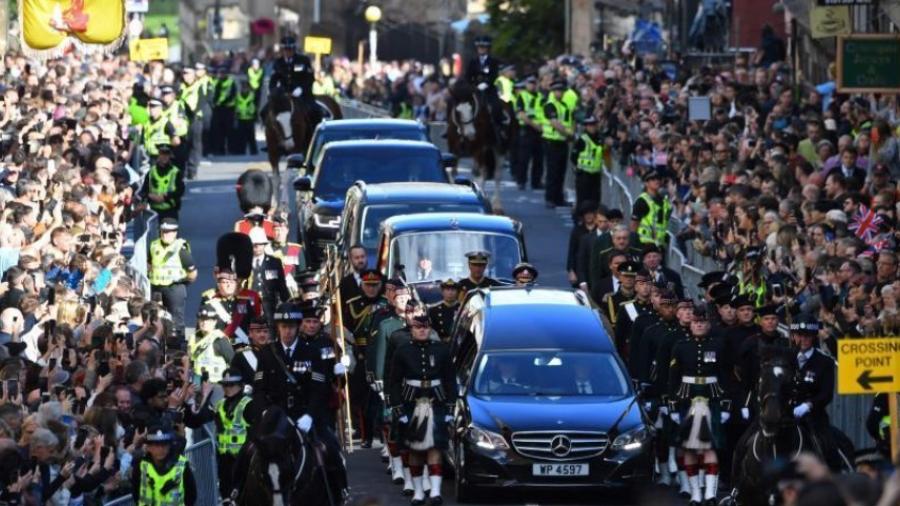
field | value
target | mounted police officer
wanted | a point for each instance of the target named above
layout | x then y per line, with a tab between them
164	186
699	405
234	414
749	356
293	76
477	261
651	211
209	347
443	313
246	361
481	73
171	269
629	311
162	476
422	392
587	155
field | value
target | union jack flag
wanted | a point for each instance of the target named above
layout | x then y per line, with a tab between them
865	223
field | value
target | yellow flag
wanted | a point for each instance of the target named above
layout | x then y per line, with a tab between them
47	25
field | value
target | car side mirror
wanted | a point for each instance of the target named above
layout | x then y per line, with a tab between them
303	184
295	161
448	160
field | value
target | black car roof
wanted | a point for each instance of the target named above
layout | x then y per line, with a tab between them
371	123
378	144
419	192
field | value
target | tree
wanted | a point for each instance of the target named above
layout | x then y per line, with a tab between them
527	30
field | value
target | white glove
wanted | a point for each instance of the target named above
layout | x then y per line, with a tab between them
448	418
675	418
647	406
745	413
725	416
482	86
340	369
801	410
664	410
304	423
298	91
403	419
377	385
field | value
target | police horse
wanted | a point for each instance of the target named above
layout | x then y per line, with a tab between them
286	467
774	435
471	133
290	132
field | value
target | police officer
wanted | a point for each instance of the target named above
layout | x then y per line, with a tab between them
651	211
629	311
162	476
525	274
174	111
246	361
422	392
529	149
210	350
191	98
699	405
158	130
245	110
481	73
255	74
557	130
233	416
611	301
267	277
172	268
293	75
477	261
749	356
587	155
224	95
506	82
164	186
443	313
813	386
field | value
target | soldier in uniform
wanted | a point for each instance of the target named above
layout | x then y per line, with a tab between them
291	255
478	261
629	311
443	313
525	274
210	350
637	330
699	405
611	302
813	386
246	361
234	307
422	393
267	275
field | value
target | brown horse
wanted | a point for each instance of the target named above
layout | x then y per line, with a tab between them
279	142
471	133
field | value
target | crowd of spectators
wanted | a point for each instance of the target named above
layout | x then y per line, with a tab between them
84	365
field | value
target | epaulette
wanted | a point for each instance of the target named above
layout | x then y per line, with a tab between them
208	294
351	299
626	302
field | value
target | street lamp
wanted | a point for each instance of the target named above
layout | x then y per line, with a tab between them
373	15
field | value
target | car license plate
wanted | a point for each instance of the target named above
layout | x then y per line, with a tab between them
560	469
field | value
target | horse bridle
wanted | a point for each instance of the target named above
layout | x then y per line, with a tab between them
775	448
475	112
277	487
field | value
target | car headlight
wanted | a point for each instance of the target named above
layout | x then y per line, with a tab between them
632	439
327	221
487	439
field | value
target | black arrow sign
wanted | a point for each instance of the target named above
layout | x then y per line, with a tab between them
866	379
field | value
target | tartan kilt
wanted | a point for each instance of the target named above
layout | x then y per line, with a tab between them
426	428
701	425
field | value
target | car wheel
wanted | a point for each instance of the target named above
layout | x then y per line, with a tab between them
464	492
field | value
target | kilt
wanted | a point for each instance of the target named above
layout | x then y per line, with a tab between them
426	428
701	425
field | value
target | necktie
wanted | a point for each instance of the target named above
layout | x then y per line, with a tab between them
801	360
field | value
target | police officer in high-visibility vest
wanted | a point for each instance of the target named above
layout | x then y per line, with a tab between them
245	109
158	130
587	155
506	82
162	476
651	211
191	99
171	269
255	74
207	87
174	110
164	185
223	111
209	347
557	130
234	414
529	148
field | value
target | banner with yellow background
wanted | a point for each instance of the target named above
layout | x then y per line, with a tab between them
49	27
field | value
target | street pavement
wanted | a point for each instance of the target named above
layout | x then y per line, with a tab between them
210	208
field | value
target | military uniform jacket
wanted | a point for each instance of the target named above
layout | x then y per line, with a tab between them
233	314
300	383
427	362
698	358
470	284
442	316
270	282
639	357
246	362
377	351
628	312
659	373
814	383
612	302
357	316
748	365
651	339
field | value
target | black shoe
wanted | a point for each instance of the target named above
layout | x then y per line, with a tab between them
397	481
436	501
365	444
684	495
417	502
408	492
694	503
710	502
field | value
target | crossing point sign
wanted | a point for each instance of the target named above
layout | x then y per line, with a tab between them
868	366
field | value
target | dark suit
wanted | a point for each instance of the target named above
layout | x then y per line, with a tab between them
268	280
482	71
307	389
854	182
670	277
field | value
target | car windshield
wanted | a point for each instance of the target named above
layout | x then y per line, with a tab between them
374	216
432	256
333	135
339	170
550	373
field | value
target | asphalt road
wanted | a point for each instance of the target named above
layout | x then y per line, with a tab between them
210	209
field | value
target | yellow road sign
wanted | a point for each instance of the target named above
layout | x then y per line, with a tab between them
149	49
317	45
868	366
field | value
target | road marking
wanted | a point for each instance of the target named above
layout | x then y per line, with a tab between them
214	189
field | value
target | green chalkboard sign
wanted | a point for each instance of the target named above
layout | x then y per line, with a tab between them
868	63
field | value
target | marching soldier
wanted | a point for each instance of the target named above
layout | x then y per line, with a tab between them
629	311
422	392
254	192
478	261
290	253
165	185
233	415
233	307
209	347
246	361
651	211
162	476
443	313
587	155
525	274
611	302
636	360
699	405
172	268
267	275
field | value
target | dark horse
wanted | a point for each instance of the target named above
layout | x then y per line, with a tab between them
285	465
774	435
278	141
471	133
